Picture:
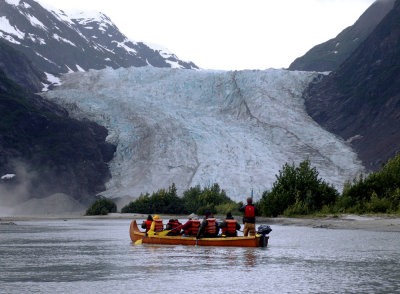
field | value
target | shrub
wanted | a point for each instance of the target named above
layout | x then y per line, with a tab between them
194	199
297	190
101	207
378	192
161	201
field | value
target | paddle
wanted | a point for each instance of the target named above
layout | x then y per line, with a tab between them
165	232
140	241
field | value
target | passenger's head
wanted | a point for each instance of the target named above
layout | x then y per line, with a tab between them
156	217
249	200
229	215
208	214
149	218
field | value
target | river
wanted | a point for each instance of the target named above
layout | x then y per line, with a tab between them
97	256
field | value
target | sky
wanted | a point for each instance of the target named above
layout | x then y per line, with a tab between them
228	34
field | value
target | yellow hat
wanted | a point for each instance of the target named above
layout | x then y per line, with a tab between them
156	216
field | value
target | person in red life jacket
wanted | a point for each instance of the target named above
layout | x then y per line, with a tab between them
191	227
208	227
229	226
175	226
249	218
147	223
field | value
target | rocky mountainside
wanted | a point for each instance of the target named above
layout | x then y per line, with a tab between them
19	69
329	55
60	42
360	101
42	150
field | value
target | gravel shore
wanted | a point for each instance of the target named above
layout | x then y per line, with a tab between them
348	222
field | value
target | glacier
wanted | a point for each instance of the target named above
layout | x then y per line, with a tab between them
199	127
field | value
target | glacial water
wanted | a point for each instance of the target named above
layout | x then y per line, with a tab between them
97	256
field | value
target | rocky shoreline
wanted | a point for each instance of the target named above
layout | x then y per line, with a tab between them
345	222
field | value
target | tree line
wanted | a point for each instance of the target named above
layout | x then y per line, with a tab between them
298	190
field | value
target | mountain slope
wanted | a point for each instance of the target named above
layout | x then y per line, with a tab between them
43	149
329	55
19	69
201	127
361	100
57	42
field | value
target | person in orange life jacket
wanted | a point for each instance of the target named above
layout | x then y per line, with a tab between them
191	227
147	223
229	226
249	218
208	227
171	225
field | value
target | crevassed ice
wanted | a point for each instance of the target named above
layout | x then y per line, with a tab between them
200	127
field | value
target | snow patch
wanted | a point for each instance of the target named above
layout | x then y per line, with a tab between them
174	64
7	176
35	22
26	5
58	38
6	27
36	39
164	52
38	54
69	69
9	38
124	46
79	68
13	2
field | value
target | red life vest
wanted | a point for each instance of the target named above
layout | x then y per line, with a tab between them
194	228
174	224
159	225
250	211
148	224
211	227
230	228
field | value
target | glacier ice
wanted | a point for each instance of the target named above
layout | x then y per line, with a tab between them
234	128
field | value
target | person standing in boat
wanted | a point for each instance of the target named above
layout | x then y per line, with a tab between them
147	223
208	227
249	218
229	226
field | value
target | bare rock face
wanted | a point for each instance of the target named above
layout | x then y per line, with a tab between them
360	101
47	151
331	54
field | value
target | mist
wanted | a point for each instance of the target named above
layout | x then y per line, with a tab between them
16	197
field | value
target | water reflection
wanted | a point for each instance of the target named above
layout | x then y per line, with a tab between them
250	257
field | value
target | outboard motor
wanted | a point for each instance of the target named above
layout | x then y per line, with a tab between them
262	231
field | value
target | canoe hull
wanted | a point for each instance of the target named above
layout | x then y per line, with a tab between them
253	241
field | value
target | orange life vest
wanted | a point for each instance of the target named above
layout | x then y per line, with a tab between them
148	224
194	228
211	227
230	228
159	225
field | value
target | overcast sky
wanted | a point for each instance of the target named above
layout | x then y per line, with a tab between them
229	34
